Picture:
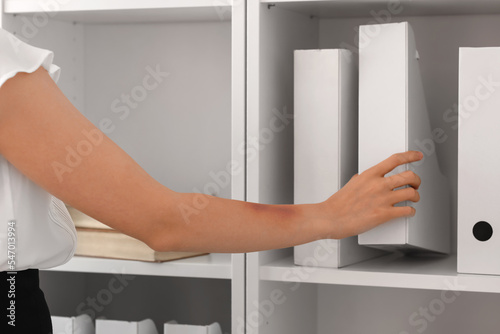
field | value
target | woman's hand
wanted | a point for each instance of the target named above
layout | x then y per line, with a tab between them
368	199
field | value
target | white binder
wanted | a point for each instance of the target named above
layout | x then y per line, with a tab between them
479	161
174	328
393	117
81	324
105	326
325	144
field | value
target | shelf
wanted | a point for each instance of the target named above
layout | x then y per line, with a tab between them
394	271
206	266
365	8
116	11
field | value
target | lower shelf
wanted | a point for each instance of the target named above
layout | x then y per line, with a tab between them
394	270
205	266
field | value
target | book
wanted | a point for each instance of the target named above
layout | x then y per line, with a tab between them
82	220
393	118
325	145
106	243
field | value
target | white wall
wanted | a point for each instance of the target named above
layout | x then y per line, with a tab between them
181	132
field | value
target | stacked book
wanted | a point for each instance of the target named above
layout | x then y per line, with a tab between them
96	239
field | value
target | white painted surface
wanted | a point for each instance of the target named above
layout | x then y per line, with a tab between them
127	11
270	100
352	310
271	39
80	5
383	84
349	8
81	324
208	266
393	270
393	117
180	132
173	328
478	161
105	326
325	144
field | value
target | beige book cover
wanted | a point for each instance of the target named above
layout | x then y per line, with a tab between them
82	220
108	243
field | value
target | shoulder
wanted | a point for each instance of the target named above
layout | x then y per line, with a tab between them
18	56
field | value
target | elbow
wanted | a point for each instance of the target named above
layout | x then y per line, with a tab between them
167	234
164	242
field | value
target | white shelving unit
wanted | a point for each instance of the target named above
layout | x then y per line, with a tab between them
205	266
390	271
184	132
389	294
114	11
229	96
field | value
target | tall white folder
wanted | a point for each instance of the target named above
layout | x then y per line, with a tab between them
479	161
81	324
325	144
175	328
105	326
393	117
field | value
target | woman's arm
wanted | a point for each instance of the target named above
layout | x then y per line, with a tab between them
39	126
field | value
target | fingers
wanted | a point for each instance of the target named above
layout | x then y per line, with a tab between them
406	194
398	196
402	211
403	179
396	160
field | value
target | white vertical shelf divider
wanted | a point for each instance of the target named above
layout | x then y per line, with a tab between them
238	139
271	38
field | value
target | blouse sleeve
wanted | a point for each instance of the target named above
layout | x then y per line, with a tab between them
17	56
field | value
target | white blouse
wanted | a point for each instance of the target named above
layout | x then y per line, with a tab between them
34	225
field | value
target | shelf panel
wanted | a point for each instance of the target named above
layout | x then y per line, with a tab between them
394	271
125	11
366	8
206	266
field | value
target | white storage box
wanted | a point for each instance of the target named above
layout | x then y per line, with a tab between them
173	327
325	144
479	161
393	118
104	326
81	324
